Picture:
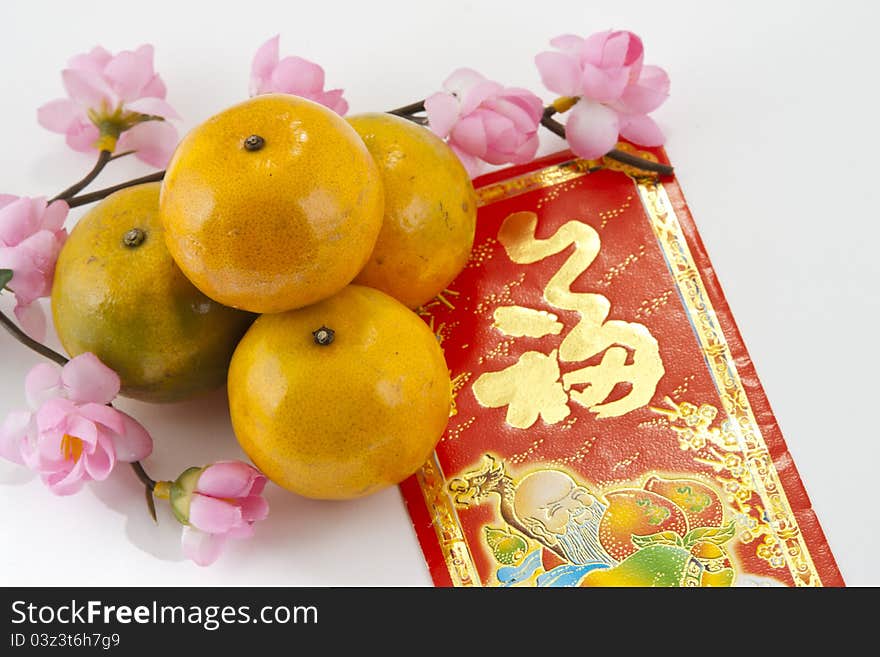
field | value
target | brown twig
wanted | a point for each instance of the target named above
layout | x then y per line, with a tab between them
408	110
29	342
122	154
146	480
558	129
149	486
103	158
101	194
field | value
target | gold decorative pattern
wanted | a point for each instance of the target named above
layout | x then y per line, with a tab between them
460	428
650	306
529	182
458	382
608	215
450	537
504	296
500	350
521	457
579	454
481	253
719	448
617	270
743	424
746	456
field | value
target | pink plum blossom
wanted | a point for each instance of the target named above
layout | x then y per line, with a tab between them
483	120
615	90
215	503
292	75
71	436
31	236
114	97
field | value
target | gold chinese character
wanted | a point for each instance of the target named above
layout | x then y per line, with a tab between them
532	386
528	388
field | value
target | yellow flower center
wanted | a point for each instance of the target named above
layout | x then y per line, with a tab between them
564	103
162	490
71	447
113	122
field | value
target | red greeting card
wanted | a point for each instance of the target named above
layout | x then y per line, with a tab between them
609	427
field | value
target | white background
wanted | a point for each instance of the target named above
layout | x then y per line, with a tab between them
772	125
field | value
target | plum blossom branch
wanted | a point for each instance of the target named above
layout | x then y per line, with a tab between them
215	503
51	354
554	126
113	101
558	129
609	89
31	235
71	434
201	498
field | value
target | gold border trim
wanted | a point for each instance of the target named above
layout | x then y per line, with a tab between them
534	180
731	391
692	290
447	526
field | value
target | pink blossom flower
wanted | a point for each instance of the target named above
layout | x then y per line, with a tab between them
31	236
215	503
71	436
615	90
292	75
110	98
482	120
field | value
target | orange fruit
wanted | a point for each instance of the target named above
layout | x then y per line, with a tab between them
341	413
633	512
430	210
654	566
118	294
699	502
272	204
